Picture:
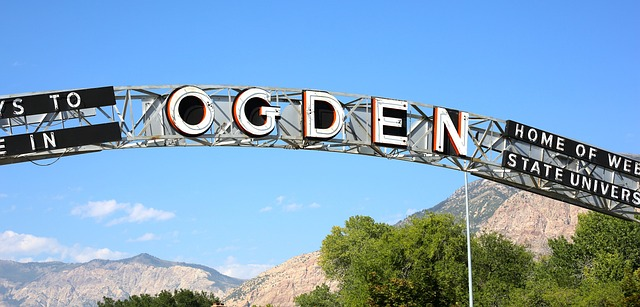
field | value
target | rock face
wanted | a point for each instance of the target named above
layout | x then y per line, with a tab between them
59	284
281	284
530	220
525	218
485	197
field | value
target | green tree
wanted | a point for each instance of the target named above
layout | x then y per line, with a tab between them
595	268
398	292
499	267
320	297
343	246
177	298
430	253
631	288
351	252
422	263
603	248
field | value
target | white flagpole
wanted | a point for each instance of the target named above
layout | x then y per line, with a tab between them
466	201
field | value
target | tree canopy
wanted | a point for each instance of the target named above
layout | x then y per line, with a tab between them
420	264
423	263
599	266
177	298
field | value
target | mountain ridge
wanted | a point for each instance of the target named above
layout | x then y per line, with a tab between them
83	284
282	283
485	197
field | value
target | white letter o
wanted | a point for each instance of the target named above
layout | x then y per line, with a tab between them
190	111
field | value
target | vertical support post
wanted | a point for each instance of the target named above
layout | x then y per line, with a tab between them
466	202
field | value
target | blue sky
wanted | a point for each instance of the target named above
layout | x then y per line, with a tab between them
571	68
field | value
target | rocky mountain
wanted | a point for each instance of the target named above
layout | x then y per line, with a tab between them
525	218
281	284
485	197
61	284
530	220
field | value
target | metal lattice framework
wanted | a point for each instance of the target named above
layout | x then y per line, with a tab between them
139	113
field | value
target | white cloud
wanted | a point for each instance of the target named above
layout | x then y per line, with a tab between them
145	237
292	207
244	271
139	213
16	244
27	247
98	209
83	254
410	211
127	213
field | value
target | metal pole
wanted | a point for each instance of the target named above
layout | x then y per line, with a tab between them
466	202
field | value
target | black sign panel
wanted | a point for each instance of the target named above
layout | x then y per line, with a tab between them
56	139
571	179
55	102
572	148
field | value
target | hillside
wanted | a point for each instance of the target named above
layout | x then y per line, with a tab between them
485	197
60	284
530	220
525	218
281	284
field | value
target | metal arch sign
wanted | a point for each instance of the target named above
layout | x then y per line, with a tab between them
55	124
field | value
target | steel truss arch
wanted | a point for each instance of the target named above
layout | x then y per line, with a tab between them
141	117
